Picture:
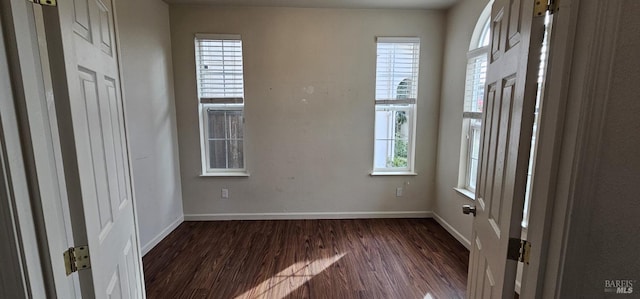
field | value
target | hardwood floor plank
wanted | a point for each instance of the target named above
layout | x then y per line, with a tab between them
363	258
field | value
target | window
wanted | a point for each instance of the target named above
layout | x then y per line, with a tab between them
221	102
473	104
397	66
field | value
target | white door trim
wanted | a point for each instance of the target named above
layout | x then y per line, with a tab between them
64	57
546	209
587	95
22	206
116	29
580	64
41	226
13	276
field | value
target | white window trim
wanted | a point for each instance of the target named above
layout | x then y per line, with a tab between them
391	173
226	174
465	159
475	50
205	170
466	193
410	169
397	39
407	105
218	36
204	144
468	157
478	52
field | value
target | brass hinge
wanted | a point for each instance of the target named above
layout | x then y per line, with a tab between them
542	6
45	2
519	250
77	258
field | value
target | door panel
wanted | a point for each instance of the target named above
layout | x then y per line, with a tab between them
129	260
489	282
116	120
100	191
506	137
514	23
496	33
106	27
114	290
95	152
82	24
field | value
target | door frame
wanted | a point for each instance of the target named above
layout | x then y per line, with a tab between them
20	65
580	83
560	147
45	228
19	278
548	204
568	128
57	51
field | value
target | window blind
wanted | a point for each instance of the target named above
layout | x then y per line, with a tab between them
475	81
397	67
219	69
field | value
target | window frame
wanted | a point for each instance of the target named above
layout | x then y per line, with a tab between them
409	109
204	141
469	157
218	103
409	105
469	116
477	49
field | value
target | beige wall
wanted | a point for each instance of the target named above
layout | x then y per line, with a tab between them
461	20
145	45
309	88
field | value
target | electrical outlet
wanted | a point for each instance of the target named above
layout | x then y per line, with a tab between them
225	193
399	191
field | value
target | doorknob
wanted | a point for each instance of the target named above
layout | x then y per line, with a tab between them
469	209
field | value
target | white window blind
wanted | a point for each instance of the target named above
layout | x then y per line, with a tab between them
219	69
397	70
474	85
220	79
473	106
474	91
397	66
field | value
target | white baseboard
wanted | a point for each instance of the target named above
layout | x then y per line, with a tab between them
163	234
455	233
317	215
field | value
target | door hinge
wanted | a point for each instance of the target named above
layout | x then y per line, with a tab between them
542	6
519	250
77	258
45	2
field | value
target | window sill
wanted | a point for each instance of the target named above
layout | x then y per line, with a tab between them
225	174
466	193
392	173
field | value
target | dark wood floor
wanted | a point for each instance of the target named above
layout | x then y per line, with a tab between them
377	258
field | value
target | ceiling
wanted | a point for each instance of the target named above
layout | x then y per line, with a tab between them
404	4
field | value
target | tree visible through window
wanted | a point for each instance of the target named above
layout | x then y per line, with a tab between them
400	152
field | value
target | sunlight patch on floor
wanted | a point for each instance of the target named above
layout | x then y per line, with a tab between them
428	296
291	278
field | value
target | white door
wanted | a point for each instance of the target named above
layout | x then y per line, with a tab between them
510	93
86	78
